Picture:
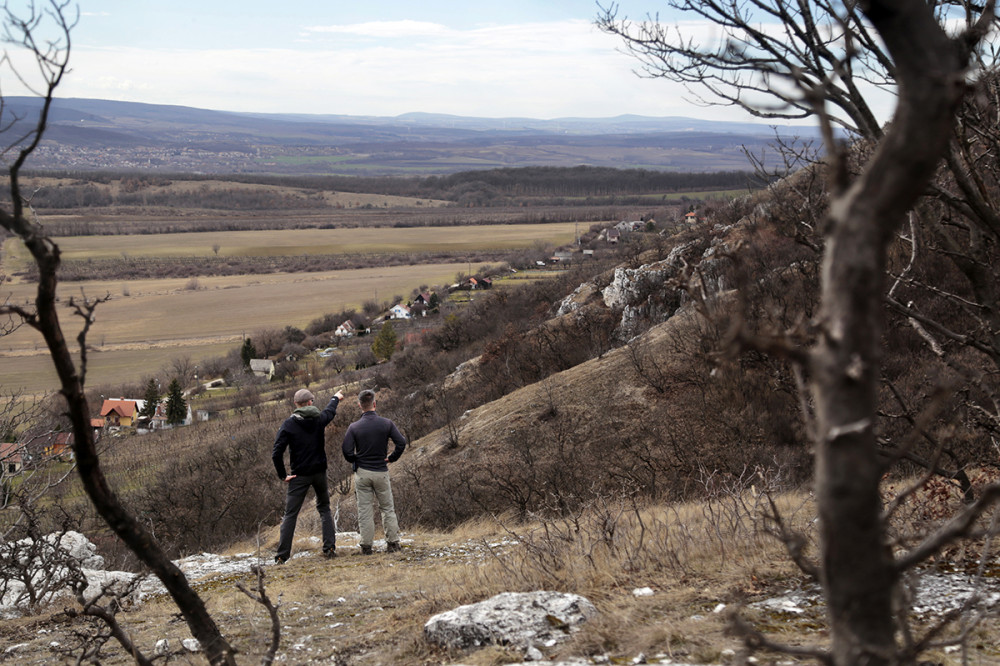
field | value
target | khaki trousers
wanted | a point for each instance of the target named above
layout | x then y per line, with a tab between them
370	487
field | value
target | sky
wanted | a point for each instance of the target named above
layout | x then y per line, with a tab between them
487	58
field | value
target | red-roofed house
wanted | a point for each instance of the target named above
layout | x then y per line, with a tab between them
11	461
121	412
48	446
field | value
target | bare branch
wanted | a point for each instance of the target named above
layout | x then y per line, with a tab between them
795	542
259	595
755	640
959	526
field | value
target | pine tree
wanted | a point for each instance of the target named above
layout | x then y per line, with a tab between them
248	352
385	342
176	406
150	398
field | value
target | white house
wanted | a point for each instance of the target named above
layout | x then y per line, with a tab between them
345	330
399	311
262	367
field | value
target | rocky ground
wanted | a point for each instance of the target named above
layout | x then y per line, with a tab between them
379	609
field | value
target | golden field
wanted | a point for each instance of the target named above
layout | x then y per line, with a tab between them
303	241
174	320
145	323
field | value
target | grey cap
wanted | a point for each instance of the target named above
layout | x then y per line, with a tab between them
303	396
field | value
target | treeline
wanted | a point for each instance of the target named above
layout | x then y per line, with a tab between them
140	268
90	195
587	181
488	187
132	220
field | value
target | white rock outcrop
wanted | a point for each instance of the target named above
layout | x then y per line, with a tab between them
516	619
48	573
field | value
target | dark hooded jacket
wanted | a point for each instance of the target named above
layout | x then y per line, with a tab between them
302	434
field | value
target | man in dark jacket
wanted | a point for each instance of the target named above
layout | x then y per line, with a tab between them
366	444
302	434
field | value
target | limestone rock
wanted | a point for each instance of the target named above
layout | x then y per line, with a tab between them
517	619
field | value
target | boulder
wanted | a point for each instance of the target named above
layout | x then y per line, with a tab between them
79	548
516	619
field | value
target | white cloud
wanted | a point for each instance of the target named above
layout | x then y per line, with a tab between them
383	29
540	70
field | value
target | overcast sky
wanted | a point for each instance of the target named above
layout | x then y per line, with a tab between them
529	58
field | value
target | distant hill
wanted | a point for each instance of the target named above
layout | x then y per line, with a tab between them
92	134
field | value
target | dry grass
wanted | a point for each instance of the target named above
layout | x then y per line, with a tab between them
704	561
371	610
318	241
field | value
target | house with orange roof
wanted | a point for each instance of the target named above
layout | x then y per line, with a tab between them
121	412
11	458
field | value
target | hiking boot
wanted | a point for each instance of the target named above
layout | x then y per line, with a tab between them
278	559
392	547
366	550
329	553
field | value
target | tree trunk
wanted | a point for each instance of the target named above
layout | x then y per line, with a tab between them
859	573
130	531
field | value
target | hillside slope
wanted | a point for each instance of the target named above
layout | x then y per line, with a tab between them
658	416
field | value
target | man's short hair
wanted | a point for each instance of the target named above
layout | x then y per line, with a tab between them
302	396
366	398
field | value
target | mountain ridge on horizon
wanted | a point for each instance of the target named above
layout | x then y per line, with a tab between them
92	134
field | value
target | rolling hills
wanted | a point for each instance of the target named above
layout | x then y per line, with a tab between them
90	134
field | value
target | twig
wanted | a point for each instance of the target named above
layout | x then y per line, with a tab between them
260	596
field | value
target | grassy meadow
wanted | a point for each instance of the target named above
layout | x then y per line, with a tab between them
146	322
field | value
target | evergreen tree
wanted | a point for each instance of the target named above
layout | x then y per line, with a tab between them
150	398
176	406
434	302
248	352
385	342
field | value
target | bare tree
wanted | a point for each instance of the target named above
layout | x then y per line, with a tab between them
30	32
797	58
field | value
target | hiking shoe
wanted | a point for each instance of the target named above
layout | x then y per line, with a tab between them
366	550
392	547
330	553
278	559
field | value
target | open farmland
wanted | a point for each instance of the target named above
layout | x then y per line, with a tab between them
135	334
147	322
319	241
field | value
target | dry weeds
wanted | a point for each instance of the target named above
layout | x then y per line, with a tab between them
701	561
371	609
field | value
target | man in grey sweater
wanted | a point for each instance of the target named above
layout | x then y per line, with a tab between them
366	446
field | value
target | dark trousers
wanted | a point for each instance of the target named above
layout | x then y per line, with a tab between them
296	494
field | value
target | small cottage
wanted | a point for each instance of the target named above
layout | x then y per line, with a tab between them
262	367
400	311
121	412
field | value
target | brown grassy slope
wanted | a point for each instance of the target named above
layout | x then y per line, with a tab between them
601	428
371	610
